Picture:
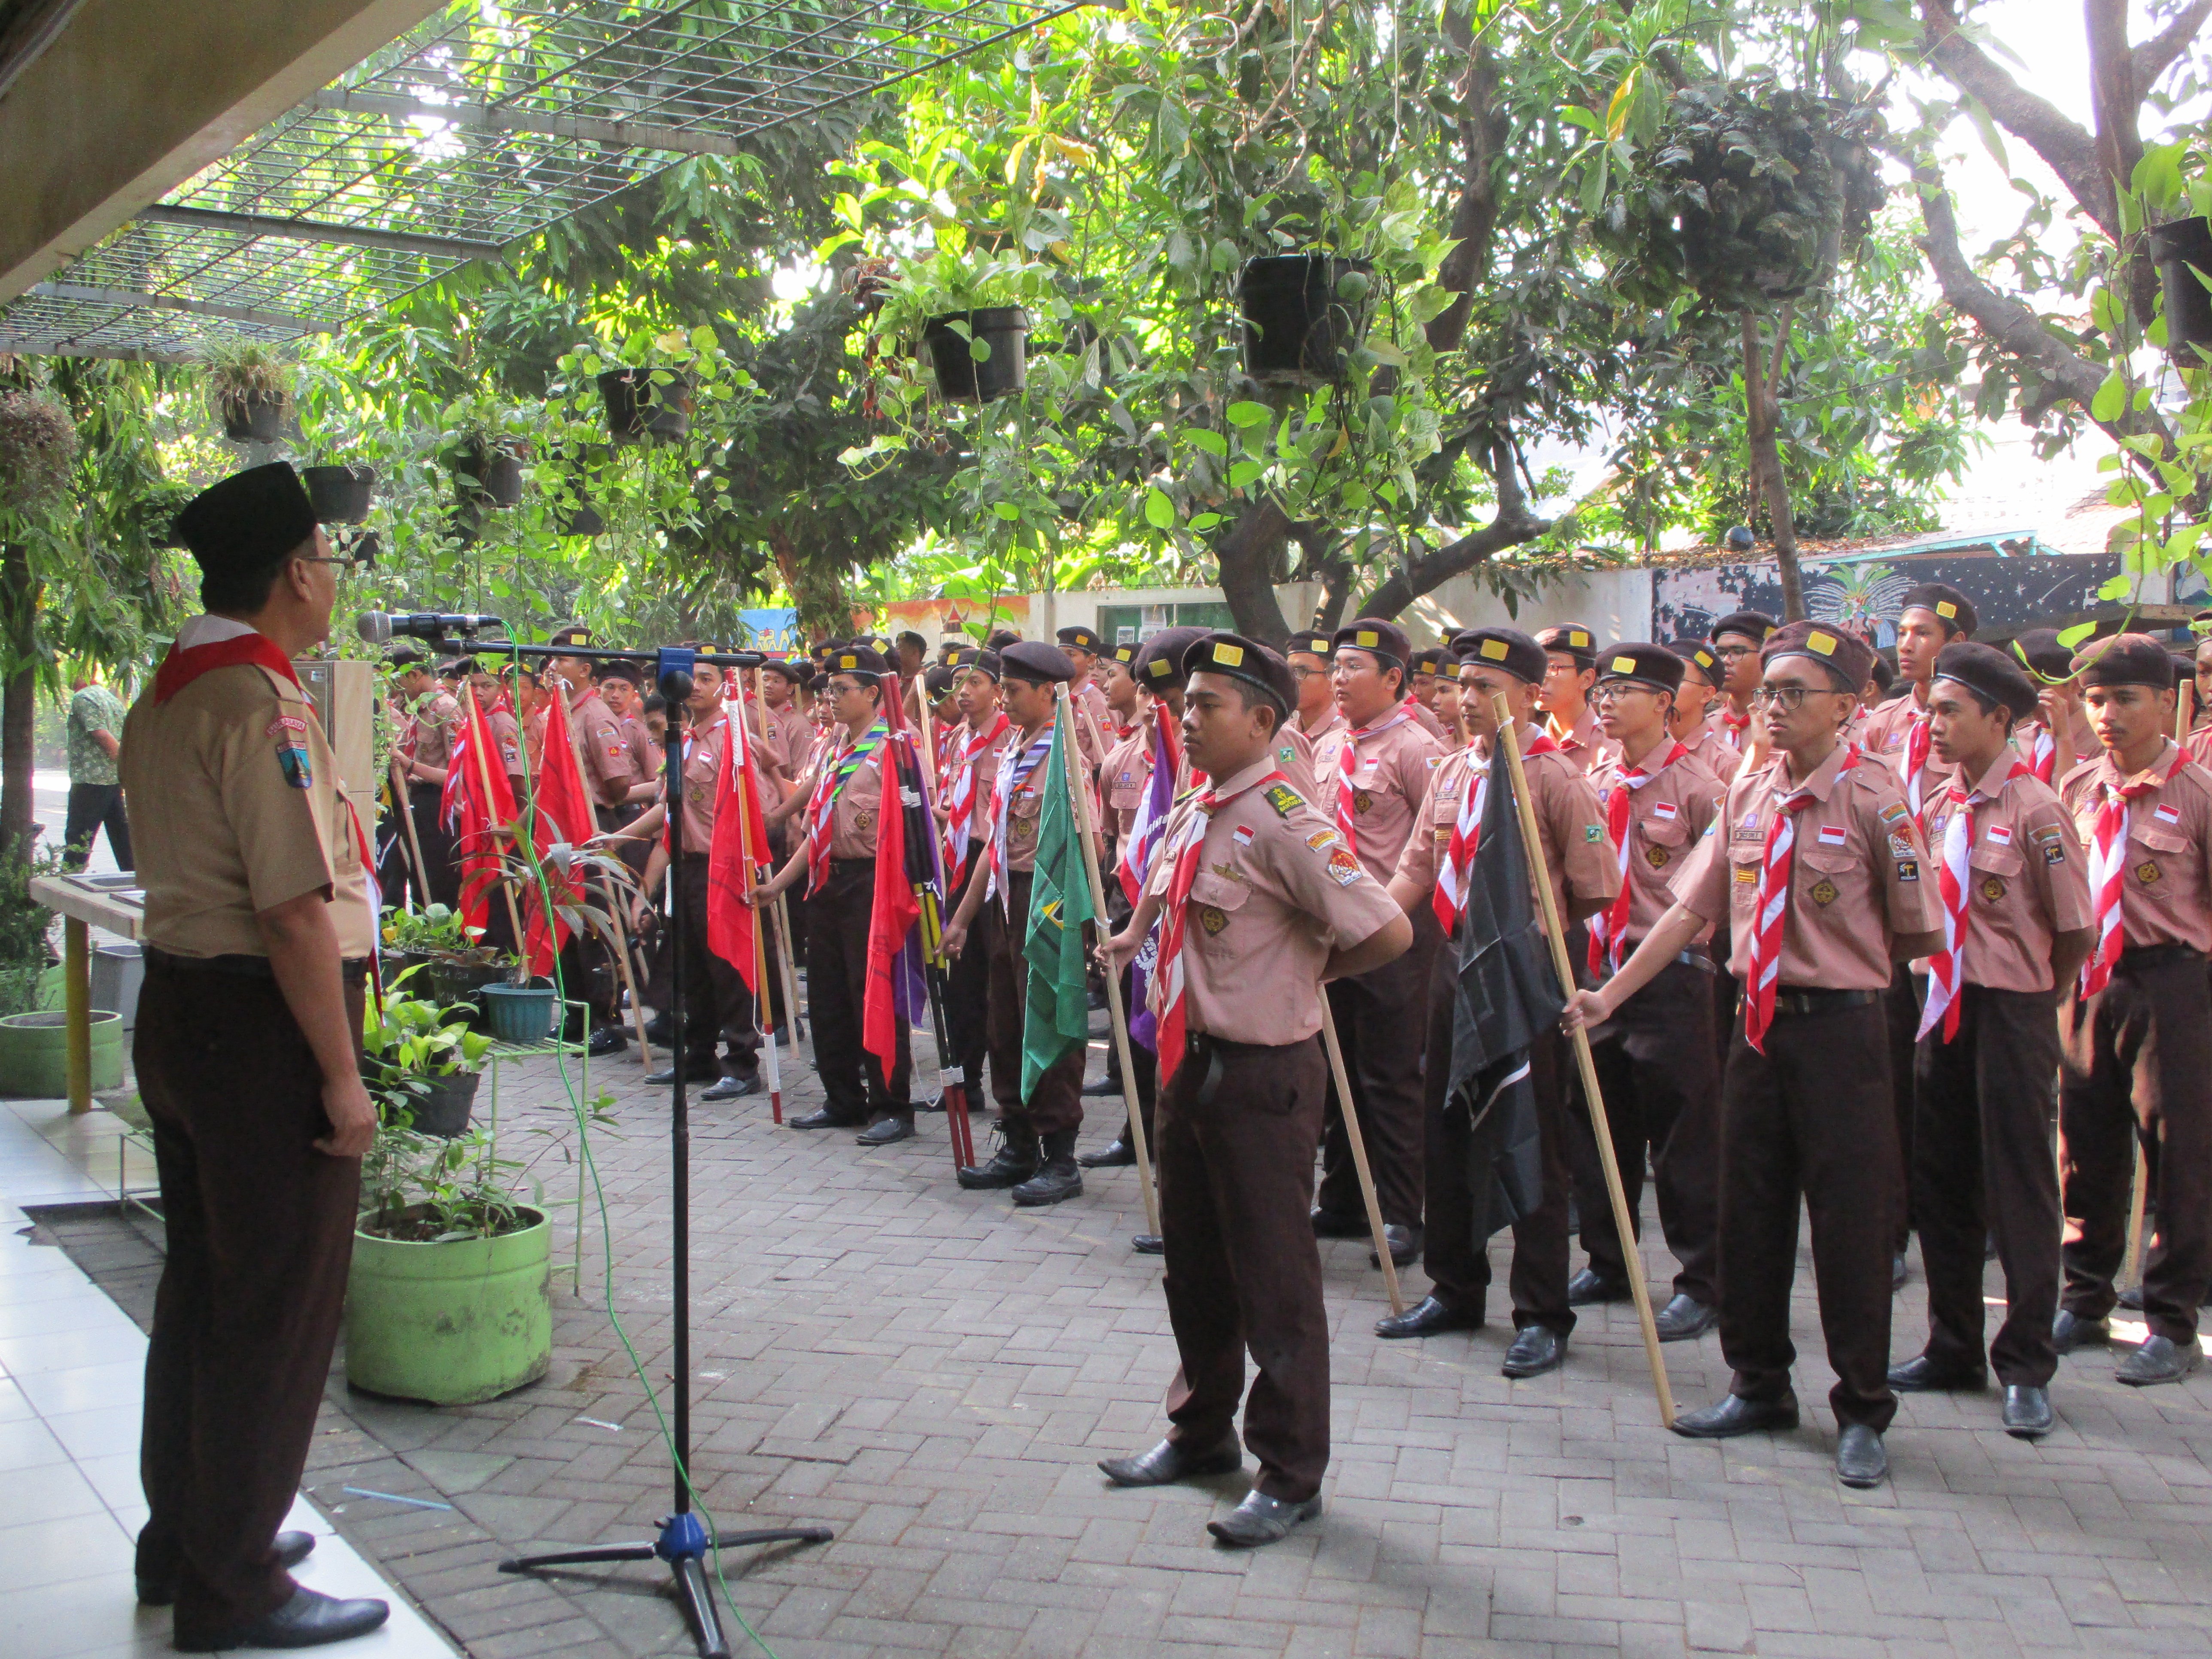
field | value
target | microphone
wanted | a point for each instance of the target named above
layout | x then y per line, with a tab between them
378	627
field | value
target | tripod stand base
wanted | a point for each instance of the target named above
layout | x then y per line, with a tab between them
682	1544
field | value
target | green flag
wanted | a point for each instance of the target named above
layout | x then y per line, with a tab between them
1057	1014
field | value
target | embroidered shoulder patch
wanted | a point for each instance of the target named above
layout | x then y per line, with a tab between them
1283	798
1593	832
292	760
1894	813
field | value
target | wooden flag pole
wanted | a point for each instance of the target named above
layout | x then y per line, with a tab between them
621	929
1118	1017
1556	934
406	809
1358	1153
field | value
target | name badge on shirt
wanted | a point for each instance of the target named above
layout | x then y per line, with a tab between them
1834	834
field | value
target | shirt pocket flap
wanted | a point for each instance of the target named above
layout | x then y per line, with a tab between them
1835	859
1666	832
2158	840
1220	892
1997	860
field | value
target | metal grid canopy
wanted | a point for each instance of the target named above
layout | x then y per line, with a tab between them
481	127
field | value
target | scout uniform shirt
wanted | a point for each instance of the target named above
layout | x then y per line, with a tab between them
1570	824
1123	776
1668	815
236	807
607	764
2026	879
1887	734
1024	807
430	739
1583	742
645	758
1426	718
1276	891
1393	768
1711	747
860	803
2166	878
787	736
702	776
506	740
1859	874
1294	758
1094	722
2028	735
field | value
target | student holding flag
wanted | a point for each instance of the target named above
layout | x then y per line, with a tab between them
967	795
2057	737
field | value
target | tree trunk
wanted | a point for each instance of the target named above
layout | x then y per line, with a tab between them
1247	557
19	705
1763	418
816	589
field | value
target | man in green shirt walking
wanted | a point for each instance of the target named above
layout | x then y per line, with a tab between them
95	796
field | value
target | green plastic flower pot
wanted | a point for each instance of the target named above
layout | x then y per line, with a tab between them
35	1054
450	1324
520	1013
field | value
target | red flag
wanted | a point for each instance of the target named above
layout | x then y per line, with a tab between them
563	814
475	813
739	848
895	908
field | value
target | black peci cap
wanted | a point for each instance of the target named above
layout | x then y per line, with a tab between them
1949	606
2126	659
398	654
1752	625
983	662
248	521
1160	663
1572	638
2039	652
1433	659
1245	659
619	668
1507	648
1036	661
1651	665
1313	642
1385	641
1847	658
1082	638
1989	674
857	659
1698	656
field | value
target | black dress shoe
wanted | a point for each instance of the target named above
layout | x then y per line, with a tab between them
1007	1168
1735	1415
1327	1223
709	1072
308	1620
606	1041
1114	1154
2028	1411
1536	1350
2131	1299
1860	1461
1170	1461
1685	1318
2069	1331
825	1118
734	1087
1590	1287
1056	1181
1405	1244
1427	1317
1104	1087
1260	1520
886	1132
660	1028
1921	1375
1149	1244
2159	1360
160	1590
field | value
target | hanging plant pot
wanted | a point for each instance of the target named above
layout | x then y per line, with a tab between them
581	520
1298	317
639	406
2176	247
339	495
442	1106
252	417
1003	331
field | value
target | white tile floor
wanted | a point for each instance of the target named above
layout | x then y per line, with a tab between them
72	1366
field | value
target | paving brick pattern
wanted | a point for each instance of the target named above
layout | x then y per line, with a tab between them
934	1374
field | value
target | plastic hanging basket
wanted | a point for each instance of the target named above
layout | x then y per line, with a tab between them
1005	333
253	417
1298	321
2176	247
339	495
639	406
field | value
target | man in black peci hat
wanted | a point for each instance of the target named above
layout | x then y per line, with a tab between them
260	926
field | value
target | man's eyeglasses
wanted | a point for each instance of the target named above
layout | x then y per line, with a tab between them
1302	675
1730	652
361	551
1788	698
1607	690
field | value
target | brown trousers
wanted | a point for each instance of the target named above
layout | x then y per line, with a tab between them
1456	1246
853	1086
1655	1065
716	1003
1381	1018
441	870
1057	1106
1811	1115
260	1231
1901	1013
1982	1165
1237	1125
968	995
2136	1067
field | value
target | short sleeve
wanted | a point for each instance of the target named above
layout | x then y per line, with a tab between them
1319	875
1907	880
1592	865
1417	860
1702	888
2058	868
268	798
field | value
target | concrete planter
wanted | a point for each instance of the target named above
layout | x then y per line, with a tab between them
450	1324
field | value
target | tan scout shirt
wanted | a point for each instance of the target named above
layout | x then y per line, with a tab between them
1570	824
2086	745
1122	777
1850	895
1391	778
987	775
1330	723
226	824
433	732
607	765
644	753
1094	722
1709	745
860	804
533	737
1885	734
1275	893
1294	755
506	741
1585	742
1666	819
2026	879
1426	718
2166	886
1025	808
702	776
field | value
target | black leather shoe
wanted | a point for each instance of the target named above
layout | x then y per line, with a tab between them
1921	1375
660	1028
2028	1411
1057	1179
886	1132
1733	1415
2159	1360
825	1118
2069	1331
292	1548
1427	1317
2131	1299
1104	1087
1008	1167
308	1620
606	1041
1405	1244
1536	1350
1169	1461
1149	1244
709	1072
1261	1519
1114	1154
1590	1287
734	1087
1327	1223
1684	1319
1861	1460
1897	1271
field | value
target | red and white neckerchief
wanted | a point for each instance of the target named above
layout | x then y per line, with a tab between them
1609	933
1015	766
2108	859
1947	967
2044	760
960	798
1168	976
1733	723
1449	901
1769	904
1347	766
1915	762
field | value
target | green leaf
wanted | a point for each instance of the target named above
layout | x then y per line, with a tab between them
2070	637
2112	397
1159	511
1246	414
1008	511
1203	438
1244	473
2117	588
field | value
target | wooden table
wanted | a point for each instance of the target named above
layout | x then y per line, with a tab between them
114	902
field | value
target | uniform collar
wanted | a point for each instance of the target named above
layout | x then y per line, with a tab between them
1237	781
1822	783
2160	771
1992	782
211	630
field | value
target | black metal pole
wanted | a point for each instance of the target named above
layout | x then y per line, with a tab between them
675	691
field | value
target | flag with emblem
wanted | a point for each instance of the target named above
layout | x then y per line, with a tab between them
906	864
1057	1017
738	849
478	803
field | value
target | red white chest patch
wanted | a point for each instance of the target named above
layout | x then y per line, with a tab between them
1834	834
2166	814
1999	833
1664	809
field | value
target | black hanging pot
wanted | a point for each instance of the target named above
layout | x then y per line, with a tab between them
639	406
487	477
339	495
441	1105
1004	330
2176	247
252	418
581	520
1297	321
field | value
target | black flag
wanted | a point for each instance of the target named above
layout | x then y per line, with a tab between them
1507	999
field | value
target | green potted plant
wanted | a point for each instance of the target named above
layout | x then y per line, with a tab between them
457	964
33	1033
417	1059
965	311
251	386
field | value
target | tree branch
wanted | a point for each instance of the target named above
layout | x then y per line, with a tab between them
1246	554
1511	525
1483	136
2156	55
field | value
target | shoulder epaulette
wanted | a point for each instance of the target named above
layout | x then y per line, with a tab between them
1283	798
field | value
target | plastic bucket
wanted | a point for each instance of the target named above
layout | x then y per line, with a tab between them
1295	323
450	1324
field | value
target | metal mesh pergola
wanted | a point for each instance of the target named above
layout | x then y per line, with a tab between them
481	127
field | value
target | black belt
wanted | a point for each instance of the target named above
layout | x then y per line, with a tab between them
240	966
2156	956
851	864
1698	959
1809	1001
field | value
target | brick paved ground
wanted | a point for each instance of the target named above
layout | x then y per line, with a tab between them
934	1374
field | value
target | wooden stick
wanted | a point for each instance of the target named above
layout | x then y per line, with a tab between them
789	969
407	808
2138	1197
1358	1153
1117	1018
1556	934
